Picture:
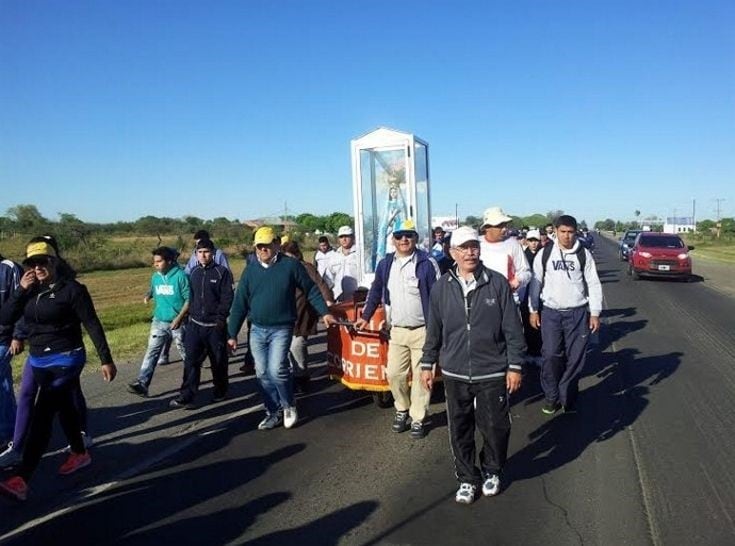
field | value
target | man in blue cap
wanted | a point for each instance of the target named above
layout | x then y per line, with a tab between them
402	283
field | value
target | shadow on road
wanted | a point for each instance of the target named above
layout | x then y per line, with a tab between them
136	509
608	407
325	531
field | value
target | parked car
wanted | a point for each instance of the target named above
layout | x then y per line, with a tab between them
626	243
659	255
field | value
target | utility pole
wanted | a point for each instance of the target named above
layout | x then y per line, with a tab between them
718	224
456	214
694	210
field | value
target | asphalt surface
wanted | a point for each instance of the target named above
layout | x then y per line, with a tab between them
647	460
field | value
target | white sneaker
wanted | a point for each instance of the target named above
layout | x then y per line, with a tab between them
290	416
10	457
491	485
86	438
465	494
271	421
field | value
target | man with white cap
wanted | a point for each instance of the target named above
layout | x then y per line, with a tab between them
403	281
474	331
342	271
501	254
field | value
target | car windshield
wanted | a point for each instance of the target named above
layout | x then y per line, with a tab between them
662	242
630	237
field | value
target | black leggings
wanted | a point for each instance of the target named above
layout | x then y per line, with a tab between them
56	394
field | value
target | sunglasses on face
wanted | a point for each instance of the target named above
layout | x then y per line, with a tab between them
403	235
37	262
263	247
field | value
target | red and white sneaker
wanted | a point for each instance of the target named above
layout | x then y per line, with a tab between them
74	462
15	487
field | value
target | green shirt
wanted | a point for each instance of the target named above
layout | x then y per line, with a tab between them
170	291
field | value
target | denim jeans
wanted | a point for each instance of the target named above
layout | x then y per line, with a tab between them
299	356
161	332
7	396
270	347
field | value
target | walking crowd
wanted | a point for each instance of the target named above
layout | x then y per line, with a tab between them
473	307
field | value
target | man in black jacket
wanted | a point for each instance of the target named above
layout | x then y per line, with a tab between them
475	333
206	333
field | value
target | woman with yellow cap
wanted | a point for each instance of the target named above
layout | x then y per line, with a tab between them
54	307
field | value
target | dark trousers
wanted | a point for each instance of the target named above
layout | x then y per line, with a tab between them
532	335
56	395
492	420
202	342
565	335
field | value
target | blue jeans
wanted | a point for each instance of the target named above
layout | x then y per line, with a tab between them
7	396
270	346
161	332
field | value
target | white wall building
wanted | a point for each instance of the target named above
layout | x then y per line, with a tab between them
679	224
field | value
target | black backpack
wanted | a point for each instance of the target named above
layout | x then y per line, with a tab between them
581	256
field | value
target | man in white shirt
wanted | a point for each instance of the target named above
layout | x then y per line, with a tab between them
501	254
342	270
321	257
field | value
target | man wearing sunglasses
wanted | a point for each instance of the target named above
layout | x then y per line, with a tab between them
402	284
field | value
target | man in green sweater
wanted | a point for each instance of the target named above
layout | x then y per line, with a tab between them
170	291
266	294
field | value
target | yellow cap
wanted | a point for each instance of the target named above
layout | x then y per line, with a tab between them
264	236
40	249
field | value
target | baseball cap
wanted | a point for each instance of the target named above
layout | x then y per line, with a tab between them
494	216
264	236
462	235
39	249
406	225
533	234
345	230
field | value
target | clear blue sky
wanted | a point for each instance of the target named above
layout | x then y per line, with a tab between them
116	110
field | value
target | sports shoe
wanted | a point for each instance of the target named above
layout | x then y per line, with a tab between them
271	421
550	408
15	487
74	462
10	457
290	416
136	387
417	430
465	493
86	438
179	403
491	485
218	397
163	361
400	422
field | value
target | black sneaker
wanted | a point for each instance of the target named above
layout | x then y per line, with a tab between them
180	403
550	408
400	422
218	397
136	387
417	430
569	408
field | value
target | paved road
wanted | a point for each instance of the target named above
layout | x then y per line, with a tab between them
645	461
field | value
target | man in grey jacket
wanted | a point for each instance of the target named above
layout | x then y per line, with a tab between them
566	290
475	333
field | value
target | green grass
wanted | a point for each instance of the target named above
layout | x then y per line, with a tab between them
118	299
709	248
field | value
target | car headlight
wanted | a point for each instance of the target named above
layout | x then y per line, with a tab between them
683	256
644	254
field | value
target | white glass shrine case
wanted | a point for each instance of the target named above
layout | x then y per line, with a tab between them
390	174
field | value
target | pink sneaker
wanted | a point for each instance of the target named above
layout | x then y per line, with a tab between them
74	462
15	487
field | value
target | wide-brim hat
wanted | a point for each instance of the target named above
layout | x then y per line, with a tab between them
494	216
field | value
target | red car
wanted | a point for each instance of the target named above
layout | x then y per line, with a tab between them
660	255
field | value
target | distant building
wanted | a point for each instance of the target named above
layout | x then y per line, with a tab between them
448	223
679	224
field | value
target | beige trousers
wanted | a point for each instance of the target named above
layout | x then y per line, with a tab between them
404	353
